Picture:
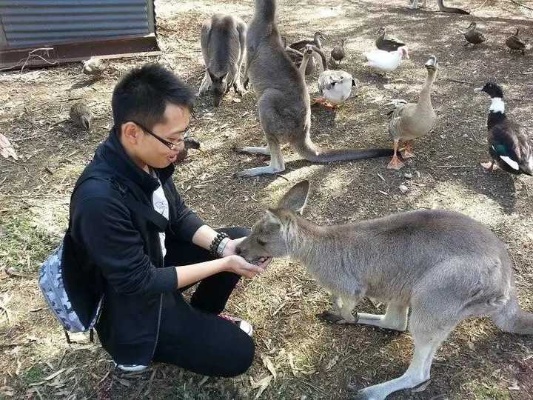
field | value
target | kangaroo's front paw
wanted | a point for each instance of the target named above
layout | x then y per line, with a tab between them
332	318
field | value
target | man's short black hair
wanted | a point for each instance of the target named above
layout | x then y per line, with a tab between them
143	94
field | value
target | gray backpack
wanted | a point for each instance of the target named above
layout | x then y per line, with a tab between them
53	288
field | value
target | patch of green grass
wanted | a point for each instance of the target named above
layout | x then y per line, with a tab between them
35	374
484	391
24	244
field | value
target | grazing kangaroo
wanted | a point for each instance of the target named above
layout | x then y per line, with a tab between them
442	265
223	41
283	100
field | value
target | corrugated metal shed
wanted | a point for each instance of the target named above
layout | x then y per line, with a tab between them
30	24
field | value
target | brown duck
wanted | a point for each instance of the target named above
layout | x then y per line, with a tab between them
81	116
515	43
473	35
387	44
338	53
316	41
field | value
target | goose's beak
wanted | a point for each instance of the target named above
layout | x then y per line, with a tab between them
432	62
478	89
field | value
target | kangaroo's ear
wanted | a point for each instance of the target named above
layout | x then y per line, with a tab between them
296	198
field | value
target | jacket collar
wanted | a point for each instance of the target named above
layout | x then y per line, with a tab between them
113	154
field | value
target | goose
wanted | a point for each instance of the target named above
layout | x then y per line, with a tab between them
81	116
473	35
515	43
509	148
316	41
386	61
409	121
387	44
338	53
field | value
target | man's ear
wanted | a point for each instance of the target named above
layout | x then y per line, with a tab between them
130	132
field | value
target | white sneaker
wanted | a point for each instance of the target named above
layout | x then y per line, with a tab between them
130	367
244	325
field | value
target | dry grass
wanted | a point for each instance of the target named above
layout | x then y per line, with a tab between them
297	356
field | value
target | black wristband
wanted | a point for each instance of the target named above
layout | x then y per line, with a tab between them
216	241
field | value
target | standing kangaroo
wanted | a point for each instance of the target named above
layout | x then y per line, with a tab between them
223	40
283	100
442	265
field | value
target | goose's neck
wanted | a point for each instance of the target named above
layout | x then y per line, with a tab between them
425	93
305	60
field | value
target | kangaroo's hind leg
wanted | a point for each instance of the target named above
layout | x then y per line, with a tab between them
394	318
268	104
428	333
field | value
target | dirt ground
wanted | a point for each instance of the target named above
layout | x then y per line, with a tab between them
298	356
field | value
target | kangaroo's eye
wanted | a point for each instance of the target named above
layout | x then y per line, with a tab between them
261	242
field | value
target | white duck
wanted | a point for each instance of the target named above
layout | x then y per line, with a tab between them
386	61
335	86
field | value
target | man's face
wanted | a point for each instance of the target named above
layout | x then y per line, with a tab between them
153	152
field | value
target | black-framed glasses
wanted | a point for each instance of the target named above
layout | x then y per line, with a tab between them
169	144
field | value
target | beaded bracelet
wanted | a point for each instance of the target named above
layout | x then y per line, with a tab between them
213	248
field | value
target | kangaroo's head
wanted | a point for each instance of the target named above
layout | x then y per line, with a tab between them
271	234
219	87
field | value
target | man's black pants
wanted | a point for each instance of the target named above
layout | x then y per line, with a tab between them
192	336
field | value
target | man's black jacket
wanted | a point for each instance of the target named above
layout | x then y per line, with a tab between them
116	251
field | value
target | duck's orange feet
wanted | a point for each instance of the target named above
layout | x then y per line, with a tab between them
395	163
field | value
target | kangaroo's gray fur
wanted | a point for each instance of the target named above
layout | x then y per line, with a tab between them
223	41
283	100
442	265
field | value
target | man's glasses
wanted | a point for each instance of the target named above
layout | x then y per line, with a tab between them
170	145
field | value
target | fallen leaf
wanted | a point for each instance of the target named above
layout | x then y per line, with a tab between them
263	385
6	149
268	364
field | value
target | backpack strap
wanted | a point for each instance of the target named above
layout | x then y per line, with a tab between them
125	190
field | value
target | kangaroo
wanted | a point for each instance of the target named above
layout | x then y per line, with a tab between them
223	41
442	7
283	100
442	265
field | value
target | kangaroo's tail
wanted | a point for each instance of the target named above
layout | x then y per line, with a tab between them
313	153
512	319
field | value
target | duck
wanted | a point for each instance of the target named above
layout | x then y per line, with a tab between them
515	43
338	53
385	61
316	41
334	86
81	116
409	121
387	44
93	67
473	35
509	148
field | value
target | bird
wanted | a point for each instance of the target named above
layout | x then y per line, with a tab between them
387	44
385	61
316	41
473	35
93	67
81	116
338	53
409	121
509	148
515	43
335	86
